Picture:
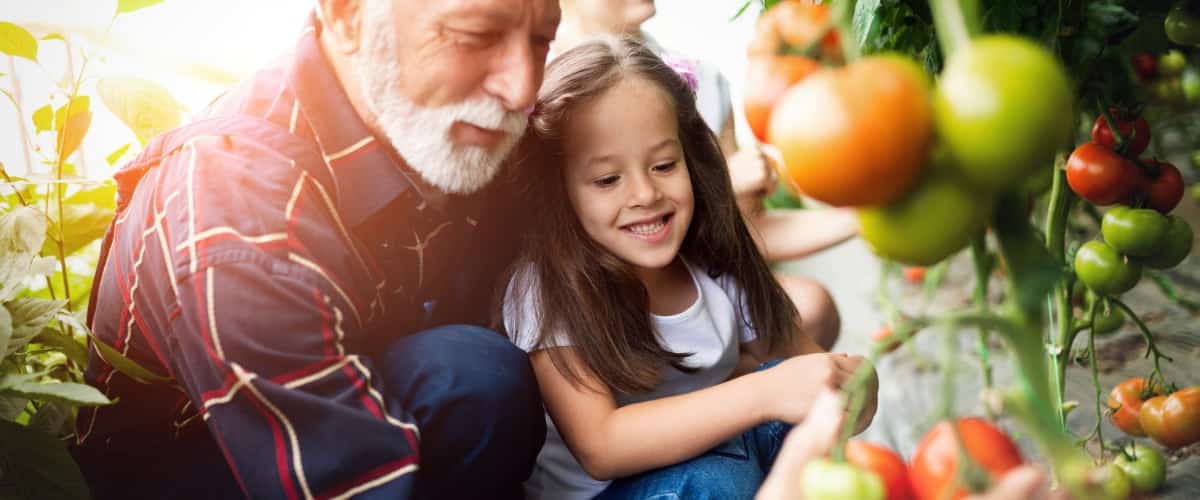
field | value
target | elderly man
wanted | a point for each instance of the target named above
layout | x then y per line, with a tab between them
299	270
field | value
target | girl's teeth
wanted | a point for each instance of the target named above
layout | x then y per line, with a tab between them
647	228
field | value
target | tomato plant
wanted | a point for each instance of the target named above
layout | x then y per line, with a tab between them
1125	401
1104	270
1136	132
1173	420
1109	321
767	78
1099	175
1182	23
1145	466
858	135
1176	245
885	463
985	108
934	465
828	480
1145	65
1133	231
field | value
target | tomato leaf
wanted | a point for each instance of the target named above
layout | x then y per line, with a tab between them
146	107
6	330
71	135
77	105
43	119
117	154
41	462
74	350
65	392
84	223
126	6
17	41
29	317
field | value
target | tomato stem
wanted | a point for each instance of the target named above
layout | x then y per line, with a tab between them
1151	348
1122	141
979	258
955	22
843	18
1091	314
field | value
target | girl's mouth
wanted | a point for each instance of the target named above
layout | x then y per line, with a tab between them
652	231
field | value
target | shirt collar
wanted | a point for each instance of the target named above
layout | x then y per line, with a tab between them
367	176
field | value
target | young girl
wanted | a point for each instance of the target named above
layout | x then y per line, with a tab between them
642	298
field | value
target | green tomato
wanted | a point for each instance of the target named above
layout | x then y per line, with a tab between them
1176	245
1003	107
1134	231
1108	321
1169	90
827	480
1190	82
1104	270
1145	467
933	221
1196	158
1114	482
1171	63
1183	23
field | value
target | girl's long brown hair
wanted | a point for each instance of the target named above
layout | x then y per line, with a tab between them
584	292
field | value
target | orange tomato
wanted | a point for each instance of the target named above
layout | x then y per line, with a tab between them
1125	400
858	135
767	78
886	464
1174	420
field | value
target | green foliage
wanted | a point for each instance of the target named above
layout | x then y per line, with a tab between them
41	462
125	6
17	41
897	26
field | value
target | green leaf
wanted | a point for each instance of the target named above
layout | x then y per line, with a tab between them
43	119
102	195
54	36
113	357
41	462
74	350
146	107
22	231
29	317
65	392
52	418
71	136
84	223
12	406
117	154
77	105
17	41
126	6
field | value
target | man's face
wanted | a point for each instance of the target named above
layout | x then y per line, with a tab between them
450	82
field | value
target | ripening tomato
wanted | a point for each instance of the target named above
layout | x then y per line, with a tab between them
767	78
1164	192
825	479
1176	246
1101	176
1145	65
791	27
1003	107
1136	132
1145	466
1125	401
885	463
914	274
858	135
1173	420
934	466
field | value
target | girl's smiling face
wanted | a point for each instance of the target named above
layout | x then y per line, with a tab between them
626	175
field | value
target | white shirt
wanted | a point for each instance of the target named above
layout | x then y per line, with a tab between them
707	329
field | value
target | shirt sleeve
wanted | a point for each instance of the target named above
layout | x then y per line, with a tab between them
522	313
258	343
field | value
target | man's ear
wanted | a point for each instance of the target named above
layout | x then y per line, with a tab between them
342	22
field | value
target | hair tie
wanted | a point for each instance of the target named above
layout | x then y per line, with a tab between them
685	68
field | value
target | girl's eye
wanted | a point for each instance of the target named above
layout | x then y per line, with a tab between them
606	181
665	167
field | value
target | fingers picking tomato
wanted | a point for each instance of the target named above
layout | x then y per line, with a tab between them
1101	176
885	463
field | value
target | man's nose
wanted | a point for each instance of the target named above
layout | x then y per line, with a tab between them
516	75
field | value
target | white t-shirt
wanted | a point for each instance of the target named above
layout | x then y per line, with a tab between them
708	329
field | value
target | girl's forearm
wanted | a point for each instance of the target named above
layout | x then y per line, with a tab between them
645	436
791	234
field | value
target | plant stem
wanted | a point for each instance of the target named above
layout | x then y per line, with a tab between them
20	114
843	17
1151	349
955	21
59	187
1056	232
979	258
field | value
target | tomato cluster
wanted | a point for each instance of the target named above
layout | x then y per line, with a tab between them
863	134
1169	78
1172	419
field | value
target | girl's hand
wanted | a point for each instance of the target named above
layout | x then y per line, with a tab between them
790	388
752	172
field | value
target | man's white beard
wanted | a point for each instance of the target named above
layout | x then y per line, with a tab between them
422	134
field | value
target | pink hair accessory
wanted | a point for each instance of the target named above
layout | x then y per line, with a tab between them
686	68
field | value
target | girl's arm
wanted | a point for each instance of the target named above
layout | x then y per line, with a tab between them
790	234
612	442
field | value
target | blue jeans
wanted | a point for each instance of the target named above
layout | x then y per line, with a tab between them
731	471
477	403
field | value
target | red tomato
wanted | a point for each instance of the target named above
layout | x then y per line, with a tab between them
1164	192
1137	132
1125	400
767	78
1145	65
1174	420
934	467
885	463
855	136
1101	176
915	274
883	334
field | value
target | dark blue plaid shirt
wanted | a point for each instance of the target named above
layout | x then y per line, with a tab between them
260	289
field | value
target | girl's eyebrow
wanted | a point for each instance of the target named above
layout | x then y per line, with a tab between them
670	141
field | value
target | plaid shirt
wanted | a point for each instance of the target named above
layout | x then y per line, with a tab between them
259	289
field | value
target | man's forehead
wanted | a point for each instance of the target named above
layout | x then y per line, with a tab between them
542	12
